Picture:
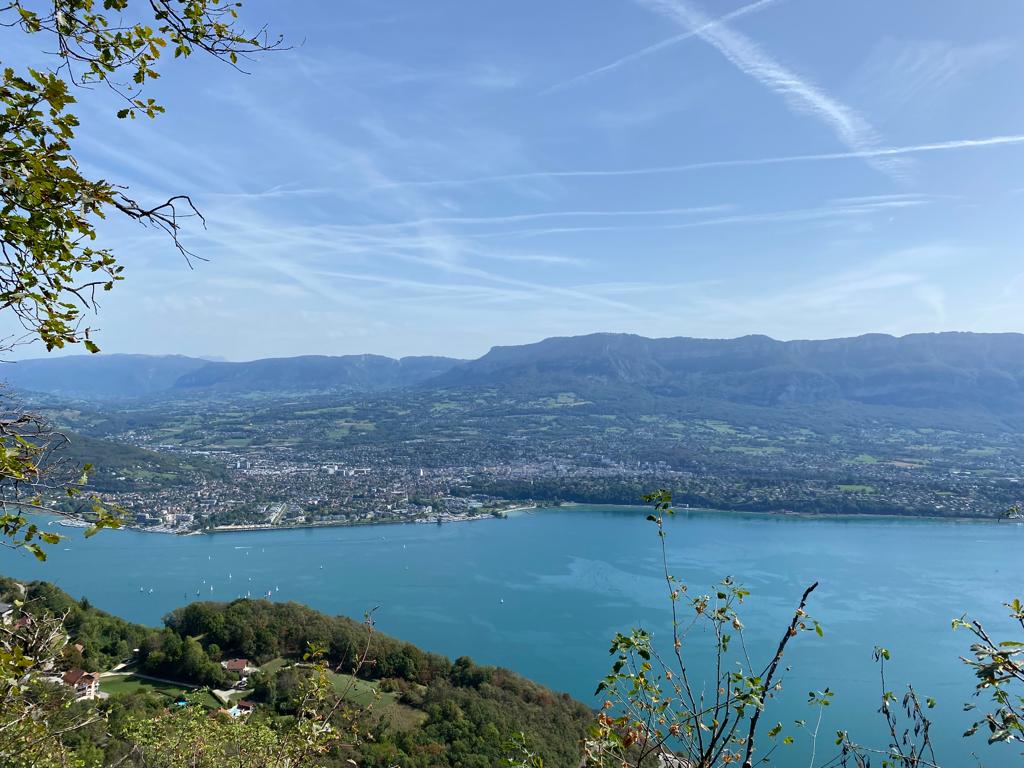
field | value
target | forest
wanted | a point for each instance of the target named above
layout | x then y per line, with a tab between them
414	708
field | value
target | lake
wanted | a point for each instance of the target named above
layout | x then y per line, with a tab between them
543	593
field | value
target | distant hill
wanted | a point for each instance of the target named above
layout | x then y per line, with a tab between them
315	372
951	371
426	709
943	370
111	377
117	466
99	376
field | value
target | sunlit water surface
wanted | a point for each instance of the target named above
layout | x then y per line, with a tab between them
543	593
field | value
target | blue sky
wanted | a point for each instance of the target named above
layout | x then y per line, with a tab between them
439	178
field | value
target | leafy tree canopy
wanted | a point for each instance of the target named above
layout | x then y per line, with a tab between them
52	263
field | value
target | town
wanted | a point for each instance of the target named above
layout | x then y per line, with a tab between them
318	461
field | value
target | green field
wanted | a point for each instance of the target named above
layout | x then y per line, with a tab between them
982	451
864	458
386	706
755	450
720	427
273	666
135	684
853	488
364	693
360	692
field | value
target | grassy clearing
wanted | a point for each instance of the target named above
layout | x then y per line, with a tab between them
361	692
328	411
720	427
755	450
274	665
385	705
136	684
854	488
562	400
982	451
443	406
234	442
863	458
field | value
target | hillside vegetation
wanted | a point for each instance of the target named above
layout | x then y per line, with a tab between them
422	709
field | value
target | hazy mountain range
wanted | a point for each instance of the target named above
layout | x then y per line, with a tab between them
944	370
108	377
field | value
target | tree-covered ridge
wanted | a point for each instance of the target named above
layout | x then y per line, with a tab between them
954	372
417	708
105	639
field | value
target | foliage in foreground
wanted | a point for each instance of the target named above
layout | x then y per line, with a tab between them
423	709
51	267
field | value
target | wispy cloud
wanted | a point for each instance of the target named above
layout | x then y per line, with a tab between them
899	73
880	152
912	197
659	46
830	211
519	217
803	96
860	297
430	246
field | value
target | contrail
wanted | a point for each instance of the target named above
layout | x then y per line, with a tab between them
880	152
748	57
517	217
667	43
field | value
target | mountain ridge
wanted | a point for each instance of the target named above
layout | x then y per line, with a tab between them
935	370
118	376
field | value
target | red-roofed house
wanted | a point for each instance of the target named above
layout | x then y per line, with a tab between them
86	684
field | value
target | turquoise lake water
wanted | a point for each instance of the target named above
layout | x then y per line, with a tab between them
543	593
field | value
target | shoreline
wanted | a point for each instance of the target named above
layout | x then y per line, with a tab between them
261	527
530	507
805	515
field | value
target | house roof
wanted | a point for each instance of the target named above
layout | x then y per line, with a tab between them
76	676
236	665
